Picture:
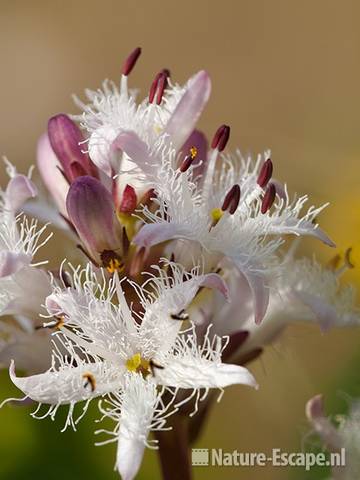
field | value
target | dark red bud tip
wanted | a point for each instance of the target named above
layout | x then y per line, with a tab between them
158	87
221	138
269	198
232	199
130	62
166	71
265	173
129	200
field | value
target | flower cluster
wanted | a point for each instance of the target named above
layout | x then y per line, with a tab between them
182	269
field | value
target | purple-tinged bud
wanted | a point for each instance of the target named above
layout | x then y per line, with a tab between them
91	211
158	86
232	199
269	198
221	138
66	139
130	62
129	200
265	173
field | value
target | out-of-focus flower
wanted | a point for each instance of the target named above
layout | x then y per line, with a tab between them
112	350
301	290
23	285
346	435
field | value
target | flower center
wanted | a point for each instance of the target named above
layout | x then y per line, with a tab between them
138	364
112	261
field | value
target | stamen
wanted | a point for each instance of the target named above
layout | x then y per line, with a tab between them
269	198
57	323
138	364
221	138
265	173
90	380
232	199
188	160
130	62
182	315
112	261
153	366
158	86
349	264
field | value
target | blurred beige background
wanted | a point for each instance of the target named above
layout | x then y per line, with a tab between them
285	76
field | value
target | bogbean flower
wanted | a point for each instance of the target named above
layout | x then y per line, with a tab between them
169	109
301	290
132	182
23	285
345	435
235	213
130	357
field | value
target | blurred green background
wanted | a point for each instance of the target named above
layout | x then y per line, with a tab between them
285	75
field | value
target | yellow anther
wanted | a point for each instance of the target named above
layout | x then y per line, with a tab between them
90	380
115	265
216	214
138	364
193	152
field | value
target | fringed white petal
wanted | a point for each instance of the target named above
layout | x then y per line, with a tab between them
69	383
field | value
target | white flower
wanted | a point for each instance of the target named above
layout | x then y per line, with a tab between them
223	212
23	287
300	290
112	110
126	354
30	347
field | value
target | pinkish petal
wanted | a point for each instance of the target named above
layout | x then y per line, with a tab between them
19	189
325	313
214	281
198	140
135	148
189	109
260	293
66	140
91	211
11	262
154	233
322	425
292	226
49	166
100	148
